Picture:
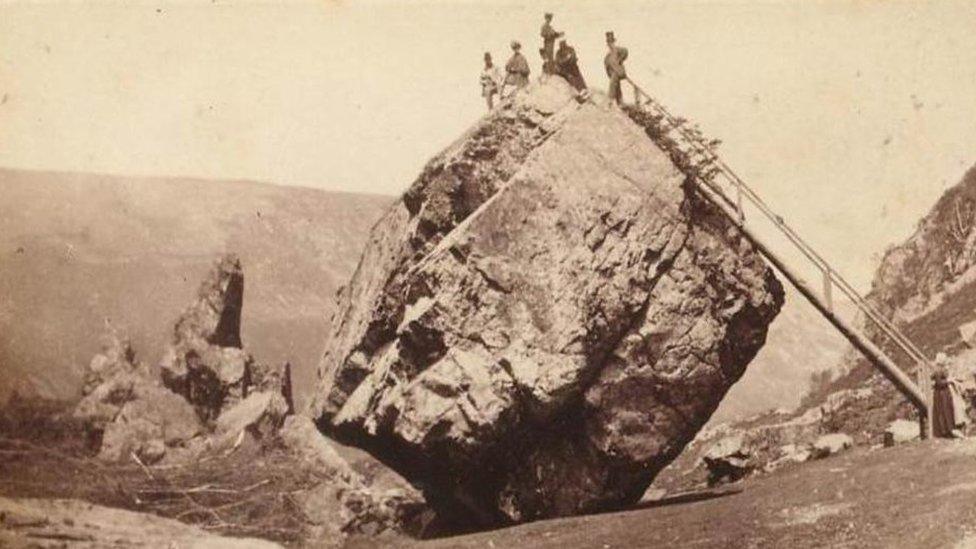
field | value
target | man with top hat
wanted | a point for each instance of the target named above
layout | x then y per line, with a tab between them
517	69
614	63
549	36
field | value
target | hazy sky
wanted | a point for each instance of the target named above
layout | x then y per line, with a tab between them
850	118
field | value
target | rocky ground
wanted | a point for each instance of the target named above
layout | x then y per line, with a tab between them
917	495
283	491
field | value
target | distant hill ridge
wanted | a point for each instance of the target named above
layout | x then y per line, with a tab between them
78	248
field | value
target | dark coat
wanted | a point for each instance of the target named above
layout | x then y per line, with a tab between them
568	68
517	70
614	62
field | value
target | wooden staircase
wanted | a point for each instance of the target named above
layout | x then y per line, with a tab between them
718	183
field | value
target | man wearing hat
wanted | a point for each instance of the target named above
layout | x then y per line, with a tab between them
614	63
549	36
517	68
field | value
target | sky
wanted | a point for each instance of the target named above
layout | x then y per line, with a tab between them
849	118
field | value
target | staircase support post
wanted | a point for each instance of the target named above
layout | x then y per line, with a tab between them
872	352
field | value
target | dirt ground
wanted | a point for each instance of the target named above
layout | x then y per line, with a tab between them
918	495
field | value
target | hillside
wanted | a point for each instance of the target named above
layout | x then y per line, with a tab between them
76	249
927	284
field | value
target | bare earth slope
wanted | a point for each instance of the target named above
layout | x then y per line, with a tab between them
75	249
928	492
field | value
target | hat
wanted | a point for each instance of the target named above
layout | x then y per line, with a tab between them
516	45
548	15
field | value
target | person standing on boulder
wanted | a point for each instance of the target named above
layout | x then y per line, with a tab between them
567	66
549	36
516	70
614	63
491	81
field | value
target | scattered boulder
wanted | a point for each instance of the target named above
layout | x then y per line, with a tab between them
550	315
828	445
792	453
152	421
728	460
109	382
115	358
900	431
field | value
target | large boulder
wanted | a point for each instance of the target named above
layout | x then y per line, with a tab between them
545	319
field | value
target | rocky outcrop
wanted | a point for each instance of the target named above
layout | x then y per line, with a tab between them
915	275
545	319
207	384
128	411
205	361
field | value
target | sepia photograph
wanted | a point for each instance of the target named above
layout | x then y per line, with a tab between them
436	274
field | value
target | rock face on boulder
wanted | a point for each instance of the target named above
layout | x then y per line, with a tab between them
545	319
205	361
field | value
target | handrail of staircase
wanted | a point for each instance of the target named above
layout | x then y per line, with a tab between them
700	147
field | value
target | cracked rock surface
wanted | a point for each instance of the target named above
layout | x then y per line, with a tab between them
546	318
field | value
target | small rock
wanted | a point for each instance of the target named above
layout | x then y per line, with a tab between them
831	444
900	431
728	460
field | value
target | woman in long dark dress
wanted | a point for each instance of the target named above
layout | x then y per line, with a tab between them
944	411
